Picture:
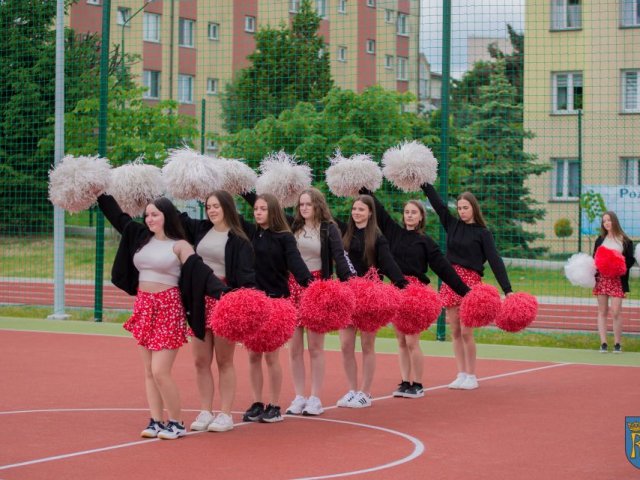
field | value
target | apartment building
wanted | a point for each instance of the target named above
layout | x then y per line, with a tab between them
190	49
582	102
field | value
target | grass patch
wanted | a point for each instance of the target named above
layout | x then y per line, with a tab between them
78	314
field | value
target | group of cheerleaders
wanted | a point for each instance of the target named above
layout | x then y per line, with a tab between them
281	256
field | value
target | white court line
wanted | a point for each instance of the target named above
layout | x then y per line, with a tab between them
143	442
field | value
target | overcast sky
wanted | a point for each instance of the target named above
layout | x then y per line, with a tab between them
468	18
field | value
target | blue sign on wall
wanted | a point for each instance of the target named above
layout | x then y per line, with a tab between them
624	200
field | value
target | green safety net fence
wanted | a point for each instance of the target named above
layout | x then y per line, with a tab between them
534	106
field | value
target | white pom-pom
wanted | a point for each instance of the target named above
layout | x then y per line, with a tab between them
76	182
637	253
134	185
409	165
189	175
346	176
282	177
238	177
580	270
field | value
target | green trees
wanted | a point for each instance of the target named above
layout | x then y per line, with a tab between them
288	65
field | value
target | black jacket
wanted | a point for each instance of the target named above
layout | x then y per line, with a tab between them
627	253
238	253
468	245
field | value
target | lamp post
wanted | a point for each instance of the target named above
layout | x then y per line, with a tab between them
122	27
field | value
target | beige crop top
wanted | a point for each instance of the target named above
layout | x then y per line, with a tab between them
156	262
212	248
309	246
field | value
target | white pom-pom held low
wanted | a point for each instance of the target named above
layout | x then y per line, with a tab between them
580	270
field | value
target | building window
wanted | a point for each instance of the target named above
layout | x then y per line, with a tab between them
213	31
566	14
185	32
321	8
631	13
342	54
371	3
212	86
249	24
371	46
388	62
151	27
389	15
423	89
294	6
402	24
567	92
631	171
630	91
93	2
185	88
151	80
342	6
566	178
123	16
402	72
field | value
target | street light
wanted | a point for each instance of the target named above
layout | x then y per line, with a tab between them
124	24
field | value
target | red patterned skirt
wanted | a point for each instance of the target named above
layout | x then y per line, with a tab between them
295	290
158	321
610	286
450	298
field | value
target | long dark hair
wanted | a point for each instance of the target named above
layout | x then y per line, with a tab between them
475	207
616	229
276	219
231	217
423	211
371	231
321	212
172	225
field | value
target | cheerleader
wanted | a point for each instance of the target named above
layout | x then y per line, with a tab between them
469	246
414	252
147	264
225	248
367	248
320	244
276	255
613	237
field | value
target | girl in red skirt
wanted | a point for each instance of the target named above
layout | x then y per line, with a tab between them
612	237
148	264
469	246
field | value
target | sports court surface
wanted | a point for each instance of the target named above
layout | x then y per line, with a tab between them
72	405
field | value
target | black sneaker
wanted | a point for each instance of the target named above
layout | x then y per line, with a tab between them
402	388
271	414
604	348
152	429
254	412
617	348
414	391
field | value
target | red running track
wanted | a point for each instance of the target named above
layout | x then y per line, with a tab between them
550	316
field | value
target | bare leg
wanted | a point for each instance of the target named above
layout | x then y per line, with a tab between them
161	365
469	346
316	361
403	355
368	343
416	356
616	311
274	370
456	337
603	312
348	348
203	356
296	357
224	351
154	399
255	375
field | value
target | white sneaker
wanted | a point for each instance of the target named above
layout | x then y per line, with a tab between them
172	431
470	383
313	407
202	421
297	406
222	423
152	429
458	381
361	400
346	399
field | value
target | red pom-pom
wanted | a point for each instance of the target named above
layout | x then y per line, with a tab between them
518	311
480	306
239	313
419	307
610	263
326	305
376	303
276	330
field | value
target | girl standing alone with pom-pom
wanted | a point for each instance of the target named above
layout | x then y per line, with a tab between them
320	244
469	246
414	252
613	237
147	265
367	248
225	248
276	255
